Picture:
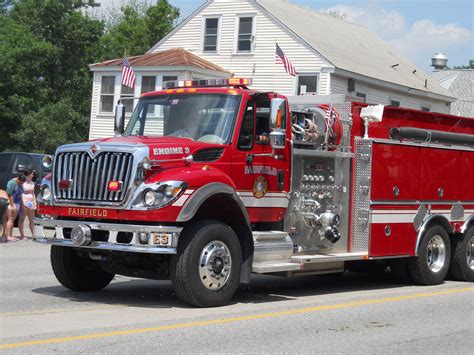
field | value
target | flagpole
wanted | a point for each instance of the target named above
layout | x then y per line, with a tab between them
121	76
275	67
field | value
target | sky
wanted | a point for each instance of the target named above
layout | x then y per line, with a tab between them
415	28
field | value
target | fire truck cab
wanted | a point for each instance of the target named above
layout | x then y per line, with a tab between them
210	181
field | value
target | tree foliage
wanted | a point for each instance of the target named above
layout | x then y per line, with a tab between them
46	47
53	125
137	28
22	88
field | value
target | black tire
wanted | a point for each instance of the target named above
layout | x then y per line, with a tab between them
431	266
76	273
187	266
460	269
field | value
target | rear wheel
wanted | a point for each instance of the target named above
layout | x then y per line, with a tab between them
77	273
434	253
462	257
206	269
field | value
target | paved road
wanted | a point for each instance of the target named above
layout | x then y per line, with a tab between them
314	314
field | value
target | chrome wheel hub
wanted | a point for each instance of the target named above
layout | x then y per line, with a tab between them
436	253
215	264
469	248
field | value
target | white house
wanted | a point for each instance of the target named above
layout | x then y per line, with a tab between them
460	83
151	69
225	37
331	55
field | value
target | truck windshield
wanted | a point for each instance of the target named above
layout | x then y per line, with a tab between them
202	117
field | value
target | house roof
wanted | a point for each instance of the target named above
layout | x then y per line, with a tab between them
460	84
350	47
172	57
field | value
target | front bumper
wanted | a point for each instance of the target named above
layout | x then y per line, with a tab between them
112	232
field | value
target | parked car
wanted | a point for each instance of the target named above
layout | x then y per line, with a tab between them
13	163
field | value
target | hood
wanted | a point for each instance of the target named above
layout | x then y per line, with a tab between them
160	148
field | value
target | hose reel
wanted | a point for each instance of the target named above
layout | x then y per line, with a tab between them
317	125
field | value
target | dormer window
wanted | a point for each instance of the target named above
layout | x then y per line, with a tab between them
210	34
245	35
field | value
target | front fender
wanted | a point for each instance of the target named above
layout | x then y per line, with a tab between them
204	193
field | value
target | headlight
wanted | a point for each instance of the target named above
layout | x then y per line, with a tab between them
47	161
149	198
160	195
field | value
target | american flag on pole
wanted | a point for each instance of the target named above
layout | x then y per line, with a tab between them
128	75
281	58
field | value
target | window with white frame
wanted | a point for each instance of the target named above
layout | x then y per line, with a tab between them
245	35
362	96
307	84
211	34
126	96
425	108
148	84
394	103
107	89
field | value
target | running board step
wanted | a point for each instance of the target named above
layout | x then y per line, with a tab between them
321	258
274	246
269	267
299	263
270	235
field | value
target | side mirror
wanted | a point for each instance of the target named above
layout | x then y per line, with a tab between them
278	139
119	119
277	113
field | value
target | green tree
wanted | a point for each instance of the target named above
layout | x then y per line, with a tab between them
25	59
45	48
137	28
53	125
75	37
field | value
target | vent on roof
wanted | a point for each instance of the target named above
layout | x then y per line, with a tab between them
439	61
208	154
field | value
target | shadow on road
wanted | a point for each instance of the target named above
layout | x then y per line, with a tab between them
262	289
274	288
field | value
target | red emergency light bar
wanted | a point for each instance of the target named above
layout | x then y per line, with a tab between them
235	82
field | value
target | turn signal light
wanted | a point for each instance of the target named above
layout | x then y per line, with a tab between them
114	186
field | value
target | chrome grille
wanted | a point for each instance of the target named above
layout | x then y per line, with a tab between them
88	178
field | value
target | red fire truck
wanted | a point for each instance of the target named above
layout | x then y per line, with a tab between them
211	181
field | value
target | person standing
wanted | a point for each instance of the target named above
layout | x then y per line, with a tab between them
14	191
3	214
28	198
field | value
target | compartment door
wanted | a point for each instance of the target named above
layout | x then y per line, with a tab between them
395	172
440	175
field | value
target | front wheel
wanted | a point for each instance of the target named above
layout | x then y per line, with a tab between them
205	272
77	273
462	262
434	253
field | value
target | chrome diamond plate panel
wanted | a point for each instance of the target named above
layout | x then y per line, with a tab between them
361	191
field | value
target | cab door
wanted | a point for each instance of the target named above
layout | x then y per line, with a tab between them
262	181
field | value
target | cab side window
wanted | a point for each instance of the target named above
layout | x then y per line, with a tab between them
247	129
262	124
